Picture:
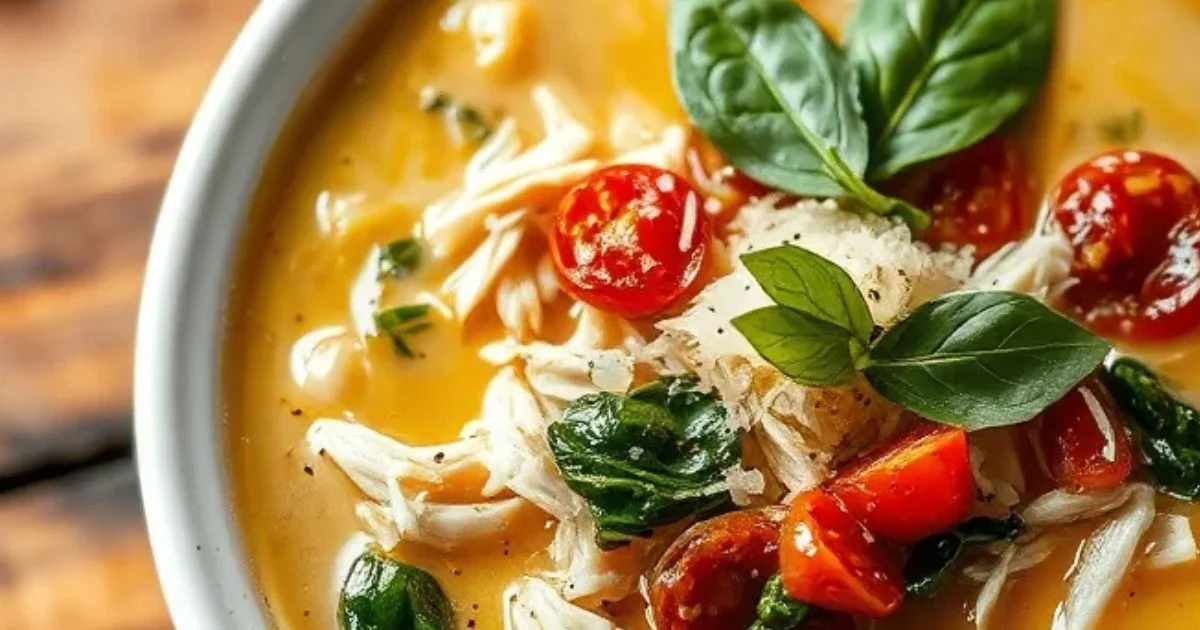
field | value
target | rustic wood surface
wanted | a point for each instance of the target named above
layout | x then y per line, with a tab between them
96	95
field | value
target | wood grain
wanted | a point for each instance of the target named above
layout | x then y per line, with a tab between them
101	93
97	95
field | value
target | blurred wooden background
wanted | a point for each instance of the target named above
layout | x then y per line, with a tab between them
95	96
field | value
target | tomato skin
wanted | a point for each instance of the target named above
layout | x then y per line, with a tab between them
630	239
711	576
912	488
1083	449
979	196
1133	219
828	559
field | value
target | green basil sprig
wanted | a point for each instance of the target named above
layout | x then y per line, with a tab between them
975	360
765	84
648	459
1167	429
380	593
937	76
932	558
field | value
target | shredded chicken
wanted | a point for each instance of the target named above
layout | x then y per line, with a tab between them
1171	542
1059	507
561	374
532	604
500	179
1107	556
518	455
472	280
583	571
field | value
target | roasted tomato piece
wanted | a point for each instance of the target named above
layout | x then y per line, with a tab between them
912	488
711	577
1133	219
829	559
630	239
1083	439
978	196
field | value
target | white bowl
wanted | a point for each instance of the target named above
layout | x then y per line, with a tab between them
178	413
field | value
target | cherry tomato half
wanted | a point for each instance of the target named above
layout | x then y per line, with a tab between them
978	196
914	487
711	577
1133	219
630	239
828	559
1083	440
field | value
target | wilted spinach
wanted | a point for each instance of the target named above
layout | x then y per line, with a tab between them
382	594
776	609
1168	429
933	558
648	459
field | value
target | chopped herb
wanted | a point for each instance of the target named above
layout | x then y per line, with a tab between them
402	322
468	121
399	259
1122	129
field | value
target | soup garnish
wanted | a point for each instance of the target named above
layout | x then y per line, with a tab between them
732	314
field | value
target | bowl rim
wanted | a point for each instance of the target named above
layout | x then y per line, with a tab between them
179	443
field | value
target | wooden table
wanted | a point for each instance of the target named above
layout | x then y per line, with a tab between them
94	98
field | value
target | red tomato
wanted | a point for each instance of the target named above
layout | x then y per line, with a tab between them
1083	440
828	559
630	239
711	577
912	488
978	196
1133	219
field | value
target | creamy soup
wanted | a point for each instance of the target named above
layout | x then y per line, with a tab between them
390	134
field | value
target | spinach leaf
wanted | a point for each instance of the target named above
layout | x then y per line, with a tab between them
765	84
803	281
932	559
940	75
982	359
776	609
399	259
808	350
382	594
1168	429
654	457
402	322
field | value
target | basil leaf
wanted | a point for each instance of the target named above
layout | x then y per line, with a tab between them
402	322
983	359
776	609
765	84
932	559
652	458
940	75
1168	429
399	259
803	281
808	350
380	593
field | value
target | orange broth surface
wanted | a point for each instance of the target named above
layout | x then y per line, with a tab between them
357	168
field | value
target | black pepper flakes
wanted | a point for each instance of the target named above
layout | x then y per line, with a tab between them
456	571
873	295
470	623
439	457
720	331
308	470
297	412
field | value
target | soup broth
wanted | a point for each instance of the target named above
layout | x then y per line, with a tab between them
359	169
